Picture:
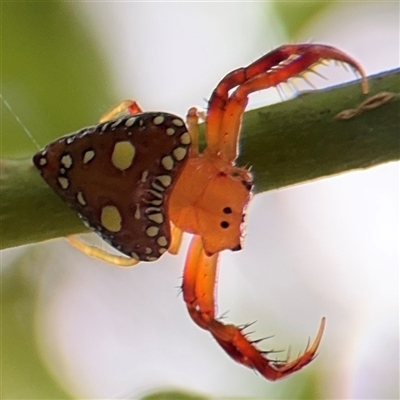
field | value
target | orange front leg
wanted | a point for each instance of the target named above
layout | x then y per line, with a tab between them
199	295
225	109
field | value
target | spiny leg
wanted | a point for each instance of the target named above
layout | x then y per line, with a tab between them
122	261
123	107
192	120
176	239
225	111
95	252
198	293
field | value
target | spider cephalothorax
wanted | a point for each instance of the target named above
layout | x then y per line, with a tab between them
139	181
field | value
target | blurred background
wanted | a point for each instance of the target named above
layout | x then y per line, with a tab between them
73	327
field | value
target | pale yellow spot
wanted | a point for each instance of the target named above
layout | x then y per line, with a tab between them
162	250
157	218
148	250
158	120
111	218
129	122
158	187
155	193
145	174
64	182
165	180
116	123
123	155
179	153
167	162
66	160
135	255
162	241
137	212
185	138
170	131
81	199
88	156
152	231
177	122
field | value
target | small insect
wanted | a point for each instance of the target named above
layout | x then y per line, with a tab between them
138	180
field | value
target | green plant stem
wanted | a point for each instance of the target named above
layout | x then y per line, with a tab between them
287	143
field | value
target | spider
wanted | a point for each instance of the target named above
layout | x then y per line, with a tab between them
138	180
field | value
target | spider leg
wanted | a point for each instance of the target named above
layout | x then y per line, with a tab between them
123	107
199	282
192	120
95	252
198	293
176	239
225	110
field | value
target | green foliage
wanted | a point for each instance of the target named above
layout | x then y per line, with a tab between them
285	144
173	395
23	375
50	67
296	14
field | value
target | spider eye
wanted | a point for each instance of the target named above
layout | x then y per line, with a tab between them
227	210
247	185
224	224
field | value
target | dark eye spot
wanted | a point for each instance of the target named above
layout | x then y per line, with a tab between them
247	185
227	210
224	224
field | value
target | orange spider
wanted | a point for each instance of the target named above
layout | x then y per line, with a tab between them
138	180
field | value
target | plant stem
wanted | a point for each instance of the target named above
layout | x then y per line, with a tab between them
287	143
